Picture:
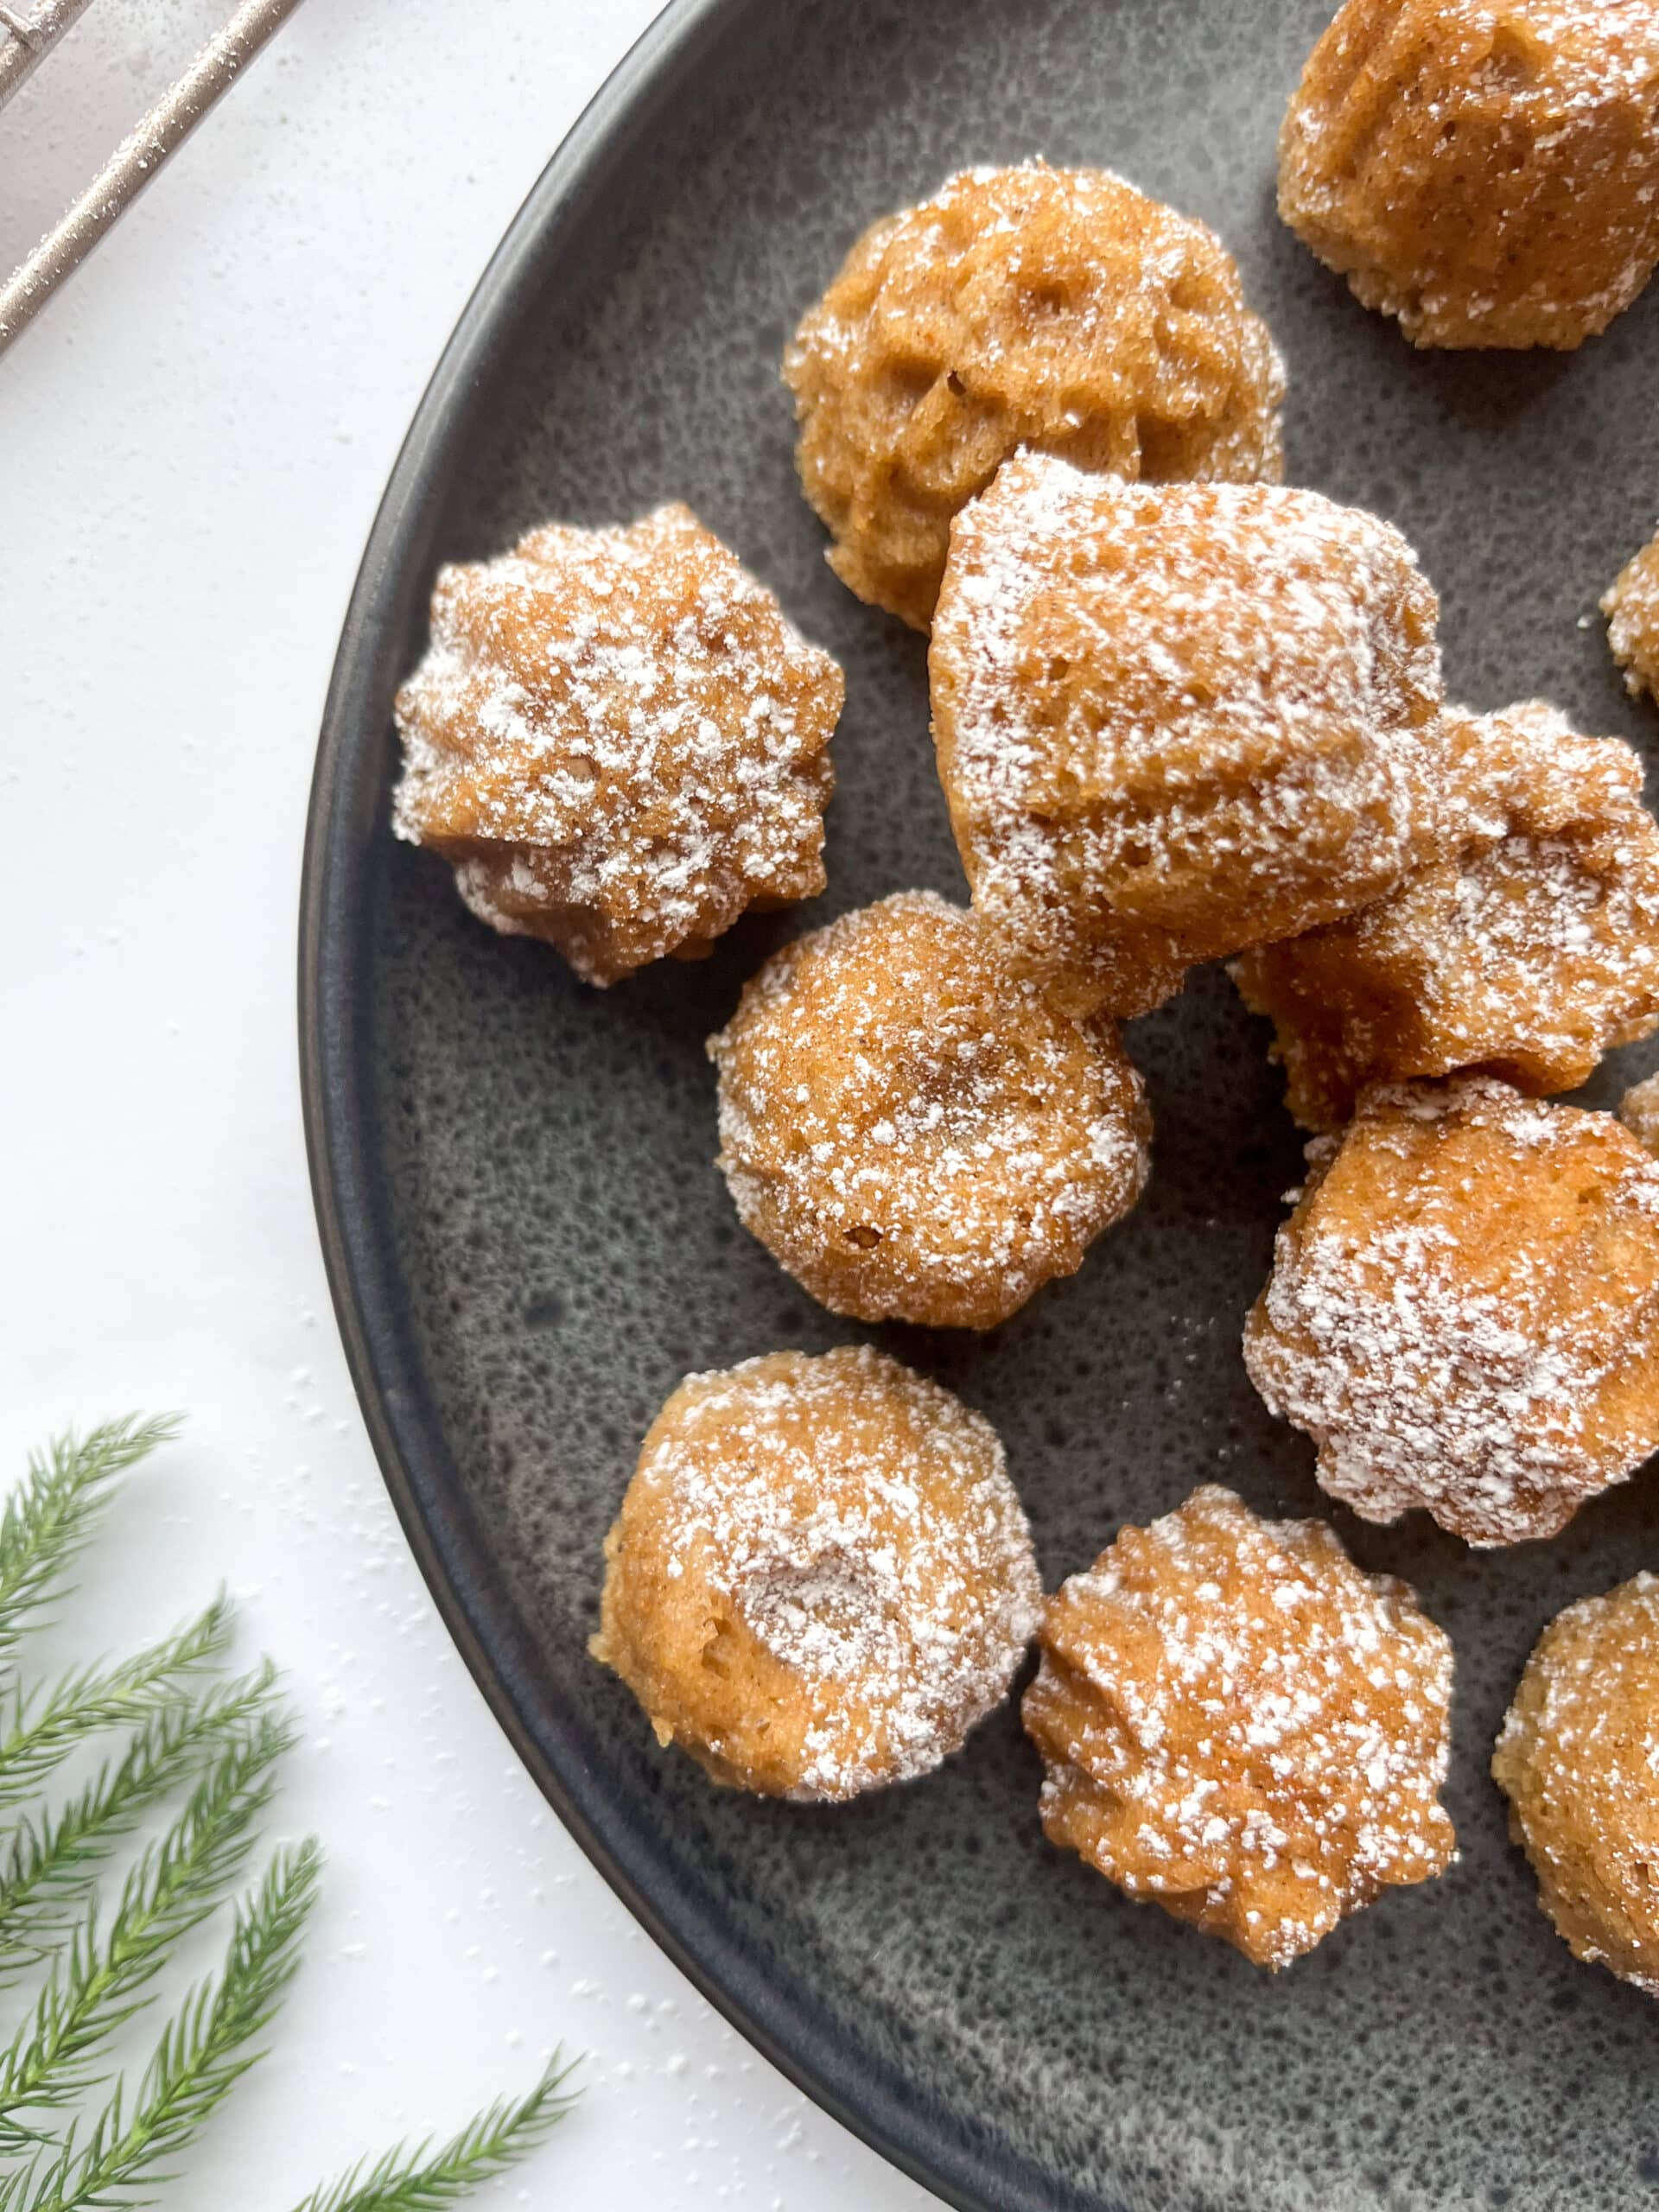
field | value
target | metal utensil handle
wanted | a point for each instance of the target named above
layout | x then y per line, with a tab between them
33	37
139	155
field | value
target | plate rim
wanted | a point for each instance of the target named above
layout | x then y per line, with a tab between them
923	2139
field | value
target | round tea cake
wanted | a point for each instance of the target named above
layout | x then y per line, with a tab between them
1527	950
911	1128
1463	1308
820	1576
618	742
1241	1726
1177	720
1577	1758
1486	170
1054	309
1632	606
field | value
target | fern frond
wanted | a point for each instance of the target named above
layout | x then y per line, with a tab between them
17	2182
42	1729
223	1743
98	1983
202	2054
53	1857
50	1517
425	2178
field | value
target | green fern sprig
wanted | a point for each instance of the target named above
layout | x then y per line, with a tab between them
51	1514
427	2178
202	2054
53	1857
40	1731
223	1743
97	1984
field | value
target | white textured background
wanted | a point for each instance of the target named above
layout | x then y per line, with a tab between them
192	440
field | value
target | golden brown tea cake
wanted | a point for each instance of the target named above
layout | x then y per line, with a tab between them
1241	1726
1527	950
1631	607
1486	170
1639	1111
1577	1759
912	1129
1463	1308
1175	722
1056	308
821	1577
618	742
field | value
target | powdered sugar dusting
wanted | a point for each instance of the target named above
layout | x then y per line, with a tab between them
1527	950
1463	1310
1639	1111
860	1522
1176	720
1631	607
619	741
1489	173
910	1127
1578	1756
1241	1726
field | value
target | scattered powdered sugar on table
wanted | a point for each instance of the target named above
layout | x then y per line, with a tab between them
859	1520
1242	1726
619	741
1463	1310
1175	721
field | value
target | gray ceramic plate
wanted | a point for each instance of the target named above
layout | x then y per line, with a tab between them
529	1246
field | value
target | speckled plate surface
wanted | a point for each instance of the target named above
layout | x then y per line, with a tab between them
530	1245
